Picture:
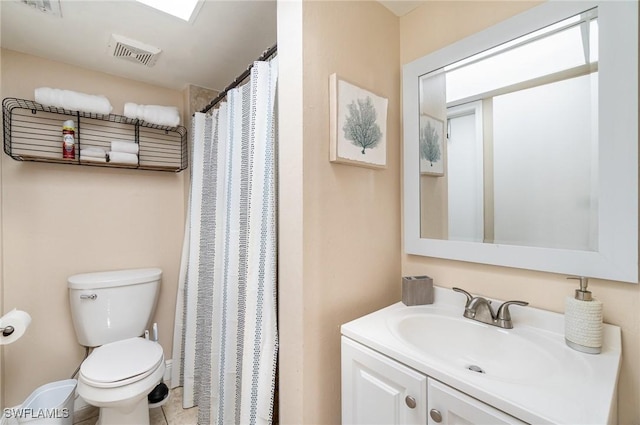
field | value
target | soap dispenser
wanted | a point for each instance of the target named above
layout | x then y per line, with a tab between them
583	320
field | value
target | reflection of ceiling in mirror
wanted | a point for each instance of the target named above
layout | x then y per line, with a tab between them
569	44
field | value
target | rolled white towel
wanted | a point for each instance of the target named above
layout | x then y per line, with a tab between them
123	158
72	100
92	158
94	152
153	114
127	147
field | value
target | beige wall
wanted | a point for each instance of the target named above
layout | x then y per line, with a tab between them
1	277
58	220
436	25
291	304
346	219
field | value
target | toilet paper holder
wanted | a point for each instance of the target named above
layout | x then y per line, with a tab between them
7	330
13	325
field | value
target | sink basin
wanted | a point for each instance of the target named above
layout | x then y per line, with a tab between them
480	348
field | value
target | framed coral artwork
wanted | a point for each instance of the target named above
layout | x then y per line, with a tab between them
431	145
358	125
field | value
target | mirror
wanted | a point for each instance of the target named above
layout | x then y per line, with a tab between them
520	143
516	141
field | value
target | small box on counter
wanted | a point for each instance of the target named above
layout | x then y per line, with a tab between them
417	290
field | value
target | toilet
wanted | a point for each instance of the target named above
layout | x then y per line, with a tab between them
110	312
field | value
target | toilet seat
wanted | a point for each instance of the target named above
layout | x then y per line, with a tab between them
122	362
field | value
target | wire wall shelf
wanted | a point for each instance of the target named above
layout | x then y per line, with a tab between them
33	132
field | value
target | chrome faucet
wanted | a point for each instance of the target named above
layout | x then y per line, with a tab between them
479	308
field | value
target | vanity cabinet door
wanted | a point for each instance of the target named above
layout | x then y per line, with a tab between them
378	390
452	407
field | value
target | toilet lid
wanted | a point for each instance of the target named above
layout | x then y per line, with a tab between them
121	360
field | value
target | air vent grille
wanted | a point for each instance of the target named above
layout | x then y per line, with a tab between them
132	50
51	7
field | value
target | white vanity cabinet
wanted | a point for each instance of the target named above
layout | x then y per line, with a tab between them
449	406
380	390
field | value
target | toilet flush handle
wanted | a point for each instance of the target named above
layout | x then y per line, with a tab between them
88	296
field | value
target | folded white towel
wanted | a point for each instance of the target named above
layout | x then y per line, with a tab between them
153	114
74	101
123	158
128	147
94	152
92	158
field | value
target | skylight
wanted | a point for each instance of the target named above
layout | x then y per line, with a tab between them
183	9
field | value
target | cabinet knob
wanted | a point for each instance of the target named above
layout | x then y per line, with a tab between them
435	415
411	402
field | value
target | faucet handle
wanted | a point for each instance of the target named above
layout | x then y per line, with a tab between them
468	295
503	312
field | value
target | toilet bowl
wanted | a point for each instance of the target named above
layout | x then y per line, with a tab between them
117	377
110	311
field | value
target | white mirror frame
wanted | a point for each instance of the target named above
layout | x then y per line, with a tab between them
617	255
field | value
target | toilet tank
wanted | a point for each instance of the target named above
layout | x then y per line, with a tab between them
113	305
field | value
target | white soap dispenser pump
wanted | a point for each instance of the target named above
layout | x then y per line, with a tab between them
583	320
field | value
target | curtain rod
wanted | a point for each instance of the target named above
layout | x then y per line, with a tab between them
265	55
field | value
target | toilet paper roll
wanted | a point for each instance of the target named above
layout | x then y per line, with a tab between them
20	321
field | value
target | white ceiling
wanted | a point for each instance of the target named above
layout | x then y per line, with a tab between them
225	37
401	7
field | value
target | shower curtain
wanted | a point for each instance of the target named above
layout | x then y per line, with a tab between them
225	337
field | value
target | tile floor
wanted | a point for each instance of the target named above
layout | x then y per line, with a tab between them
171	413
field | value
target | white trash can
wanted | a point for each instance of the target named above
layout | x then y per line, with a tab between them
50	404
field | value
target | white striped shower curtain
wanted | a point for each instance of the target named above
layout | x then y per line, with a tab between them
225	337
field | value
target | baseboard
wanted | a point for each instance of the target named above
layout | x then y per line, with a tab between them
167	372
80	404
83	410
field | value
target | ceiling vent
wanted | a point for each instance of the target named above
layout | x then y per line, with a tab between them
51	7
132	50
